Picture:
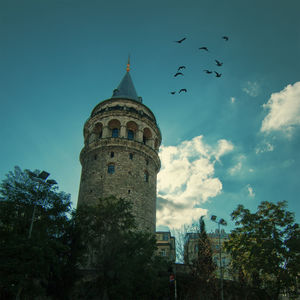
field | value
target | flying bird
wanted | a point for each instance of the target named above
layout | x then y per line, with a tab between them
182	90
181	67
173	93
207	71
218	74
180	41
219	64
178	73
203	48
226	38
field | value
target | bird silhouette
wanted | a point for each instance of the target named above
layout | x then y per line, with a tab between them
226	38
173	93
181	67
180	41
182	90
203	48
219	64
178	73
218	74
207	71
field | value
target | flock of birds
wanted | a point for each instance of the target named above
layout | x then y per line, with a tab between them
203	48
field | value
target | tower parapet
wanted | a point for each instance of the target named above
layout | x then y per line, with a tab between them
120	154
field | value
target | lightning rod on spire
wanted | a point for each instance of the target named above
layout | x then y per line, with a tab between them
128	64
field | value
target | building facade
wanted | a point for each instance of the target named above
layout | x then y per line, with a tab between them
120	153
166	245
191	251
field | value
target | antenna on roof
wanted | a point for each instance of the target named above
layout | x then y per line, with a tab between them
128	64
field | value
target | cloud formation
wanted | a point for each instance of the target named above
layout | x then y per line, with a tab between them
251	88
284	110
187	180
239	165
250	191
265	146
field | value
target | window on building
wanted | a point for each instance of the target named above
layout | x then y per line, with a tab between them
100	134
95	157
163	252
115	132
144	140
165	237
146	176
147	162
130	134
131	156
111	169
112	154
128	191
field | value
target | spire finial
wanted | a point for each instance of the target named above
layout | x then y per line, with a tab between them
128	64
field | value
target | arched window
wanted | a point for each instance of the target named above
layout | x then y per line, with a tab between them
131	130
130	134
146	135
98	130
115	132
111	169
114	126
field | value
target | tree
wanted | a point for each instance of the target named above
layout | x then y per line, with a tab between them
198	257
265	248
34	226
203	267
119	258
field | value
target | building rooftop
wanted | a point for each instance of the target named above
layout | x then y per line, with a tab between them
126	89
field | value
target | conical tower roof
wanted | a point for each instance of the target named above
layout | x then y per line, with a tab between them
126	88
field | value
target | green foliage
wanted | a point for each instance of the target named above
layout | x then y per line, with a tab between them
30	257
203	265
120	259
199	261
265	247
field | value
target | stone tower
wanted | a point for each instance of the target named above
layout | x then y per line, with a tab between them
120	153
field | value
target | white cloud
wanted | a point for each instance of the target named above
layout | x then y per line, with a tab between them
223	147
251	88
187	179
284	110
264	147
235	169
250	191
238	166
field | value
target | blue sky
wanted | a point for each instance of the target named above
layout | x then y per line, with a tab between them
227	141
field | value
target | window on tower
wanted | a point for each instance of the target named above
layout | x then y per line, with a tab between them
147	135
130	134
115	132
146	176
131	156
132	128
111	169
